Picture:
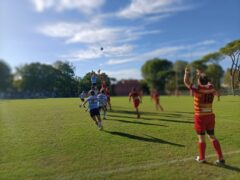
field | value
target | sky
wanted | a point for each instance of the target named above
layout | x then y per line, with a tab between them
129	31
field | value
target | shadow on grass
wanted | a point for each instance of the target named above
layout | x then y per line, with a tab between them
150	119
137	122
151	139
133	112
226	166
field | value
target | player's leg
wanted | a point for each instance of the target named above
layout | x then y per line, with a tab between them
94	119
99	122
161	107
215	143
201	146
199	127
109	104
136	104
104	112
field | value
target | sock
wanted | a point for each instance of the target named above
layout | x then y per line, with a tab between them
201	148
217	148
104	114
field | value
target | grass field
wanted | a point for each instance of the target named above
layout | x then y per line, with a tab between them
55	139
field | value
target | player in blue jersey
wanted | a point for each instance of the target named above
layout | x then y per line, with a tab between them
92	101
102	103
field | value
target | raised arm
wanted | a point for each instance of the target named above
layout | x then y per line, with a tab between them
187	78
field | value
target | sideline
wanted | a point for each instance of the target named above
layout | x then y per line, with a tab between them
103	171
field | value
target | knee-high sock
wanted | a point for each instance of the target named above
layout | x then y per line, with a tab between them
217	148
201	148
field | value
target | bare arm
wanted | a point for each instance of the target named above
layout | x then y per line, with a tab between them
187	78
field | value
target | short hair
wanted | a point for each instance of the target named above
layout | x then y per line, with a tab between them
92	93
203	79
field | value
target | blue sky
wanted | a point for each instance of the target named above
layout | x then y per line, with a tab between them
130	31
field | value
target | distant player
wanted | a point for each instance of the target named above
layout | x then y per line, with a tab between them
82	96
204	118
156	99
136	100
102	103
107	92
93	108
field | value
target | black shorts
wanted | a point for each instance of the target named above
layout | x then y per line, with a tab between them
82	100
94	112
94	84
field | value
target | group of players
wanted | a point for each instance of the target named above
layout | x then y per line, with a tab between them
204	118
97	100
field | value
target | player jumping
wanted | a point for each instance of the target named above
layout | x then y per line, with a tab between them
136	100
204	118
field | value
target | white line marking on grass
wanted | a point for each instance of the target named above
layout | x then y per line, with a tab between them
143	167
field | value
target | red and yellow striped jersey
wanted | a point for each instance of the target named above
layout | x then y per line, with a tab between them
203	99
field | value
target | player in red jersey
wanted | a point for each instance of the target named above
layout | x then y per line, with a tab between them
107	92
155	97
103	81
136	100
204	118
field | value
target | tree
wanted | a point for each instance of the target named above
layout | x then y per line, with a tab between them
215	73
5	76
179	68
156	72
227	80
212	58
36	77
232	50
66	84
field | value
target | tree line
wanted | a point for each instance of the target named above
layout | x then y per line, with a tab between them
59	79
163	75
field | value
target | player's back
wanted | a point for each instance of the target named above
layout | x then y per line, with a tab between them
203	99
92	102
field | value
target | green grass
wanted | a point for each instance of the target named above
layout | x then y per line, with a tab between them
55	139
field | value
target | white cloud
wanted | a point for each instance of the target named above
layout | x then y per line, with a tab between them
196	50
125	74
156	53
139	8
93	32
95	52
84	6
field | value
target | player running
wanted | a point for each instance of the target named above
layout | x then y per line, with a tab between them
204	118
107	92
82	96
155	97
102	103
93	107
136	100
